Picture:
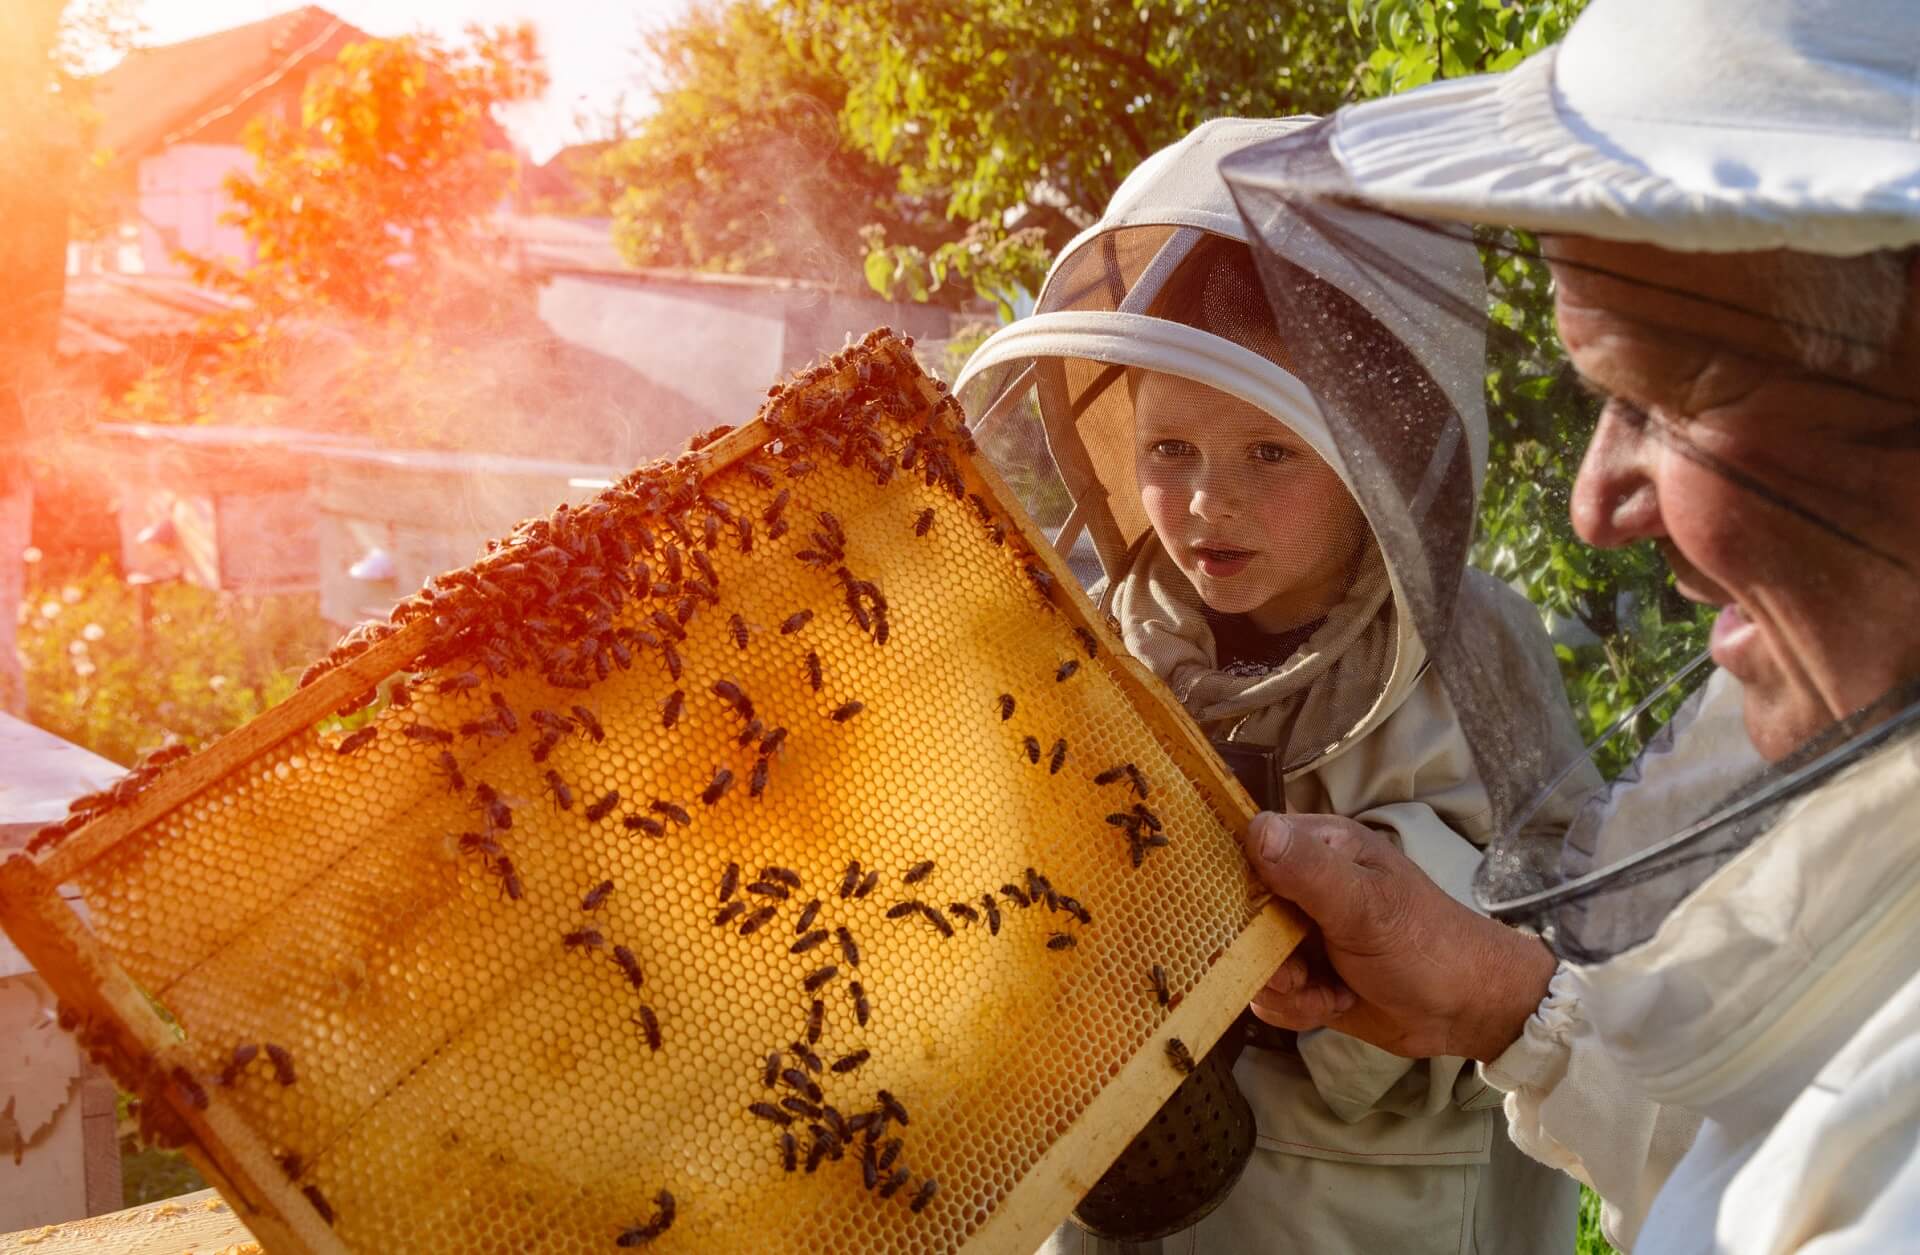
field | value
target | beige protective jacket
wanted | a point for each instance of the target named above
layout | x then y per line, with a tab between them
1360	1150
1748	1079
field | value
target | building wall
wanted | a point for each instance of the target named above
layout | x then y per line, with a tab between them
181	196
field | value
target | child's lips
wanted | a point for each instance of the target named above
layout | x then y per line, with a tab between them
1221	561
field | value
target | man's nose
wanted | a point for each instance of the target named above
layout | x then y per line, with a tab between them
1615	500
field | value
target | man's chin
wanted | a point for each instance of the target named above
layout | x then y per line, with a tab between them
1779	723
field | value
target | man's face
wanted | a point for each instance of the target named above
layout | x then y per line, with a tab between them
1815	557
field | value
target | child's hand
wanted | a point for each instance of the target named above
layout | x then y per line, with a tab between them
1394	960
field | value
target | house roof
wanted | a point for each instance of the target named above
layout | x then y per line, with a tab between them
104	314
175	93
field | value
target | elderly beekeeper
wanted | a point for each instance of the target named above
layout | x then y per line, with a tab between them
1714	1019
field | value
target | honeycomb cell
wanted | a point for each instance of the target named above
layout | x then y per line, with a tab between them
396	919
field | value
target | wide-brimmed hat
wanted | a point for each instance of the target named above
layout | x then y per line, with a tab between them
1697	125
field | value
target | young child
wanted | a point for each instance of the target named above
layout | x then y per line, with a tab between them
1244	573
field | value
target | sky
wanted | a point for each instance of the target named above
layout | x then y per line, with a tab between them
591	46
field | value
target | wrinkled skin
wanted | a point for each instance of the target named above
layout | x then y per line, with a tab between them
1823	617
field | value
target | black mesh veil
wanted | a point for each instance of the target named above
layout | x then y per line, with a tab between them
1634	852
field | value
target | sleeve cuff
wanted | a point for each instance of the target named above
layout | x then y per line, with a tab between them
1538	1057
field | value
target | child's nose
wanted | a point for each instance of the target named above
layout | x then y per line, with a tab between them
1215	503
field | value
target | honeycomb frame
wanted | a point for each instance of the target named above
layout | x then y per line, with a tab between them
390	942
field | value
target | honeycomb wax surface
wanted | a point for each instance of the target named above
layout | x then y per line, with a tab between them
468	1058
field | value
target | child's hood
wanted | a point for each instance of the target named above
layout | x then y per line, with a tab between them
1068	360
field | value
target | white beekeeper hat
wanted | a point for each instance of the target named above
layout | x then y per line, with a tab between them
1696	125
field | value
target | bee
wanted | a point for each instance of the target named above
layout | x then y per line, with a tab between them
923	524
196	1094
868	884
757	474
671	656
939	921
509	878
1066	670
729	913
965	911
846	711
802	1082
1038	887
1072	907
1061	941
795	621
282	1060
1139	780
545	745
641	823
459	683
421	732
770	743
918	872
657	1224
503	714
800	1107
776	529
722	781
900	910
562	795
243	1054
729	692
848	950
861	1009
729	881
816	1021
756	921
869	1171
400	696
800	468
596	895
1111	774
1033	749
450	769
650	1026
889	1151
1179	1055
590	723
928	1188
768	1111
851	1062
628	964
814	678
604	807
850	878
891	1108
749	734
1158	977
737	628
771	1072
757	782
992	909
893	1184
819	976
583	939
676	813
789	1152
815	1154
1006	707
482	727
1015	896
802	1051
1042	580
707	572
776	507
319	1201
670	711
1058	759
767	889
806	916
357	740
1147	818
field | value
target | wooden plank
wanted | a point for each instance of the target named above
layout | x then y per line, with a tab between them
201	1222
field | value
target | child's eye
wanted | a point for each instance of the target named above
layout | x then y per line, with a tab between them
1171	448
1269	452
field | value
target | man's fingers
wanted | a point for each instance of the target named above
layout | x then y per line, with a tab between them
1314	1005
1309	860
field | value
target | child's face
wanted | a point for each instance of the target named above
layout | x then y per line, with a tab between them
1255	519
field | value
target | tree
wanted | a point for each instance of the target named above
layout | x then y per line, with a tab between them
744	166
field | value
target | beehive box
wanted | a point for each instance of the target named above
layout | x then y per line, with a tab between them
774	854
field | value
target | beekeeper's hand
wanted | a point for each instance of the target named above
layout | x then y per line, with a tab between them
1393	960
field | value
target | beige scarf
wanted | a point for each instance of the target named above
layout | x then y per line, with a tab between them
1306	705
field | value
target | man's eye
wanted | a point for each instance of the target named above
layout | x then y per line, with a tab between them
1271	453
1170	448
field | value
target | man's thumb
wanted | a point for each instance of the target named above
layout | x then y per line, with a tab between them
1297	865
